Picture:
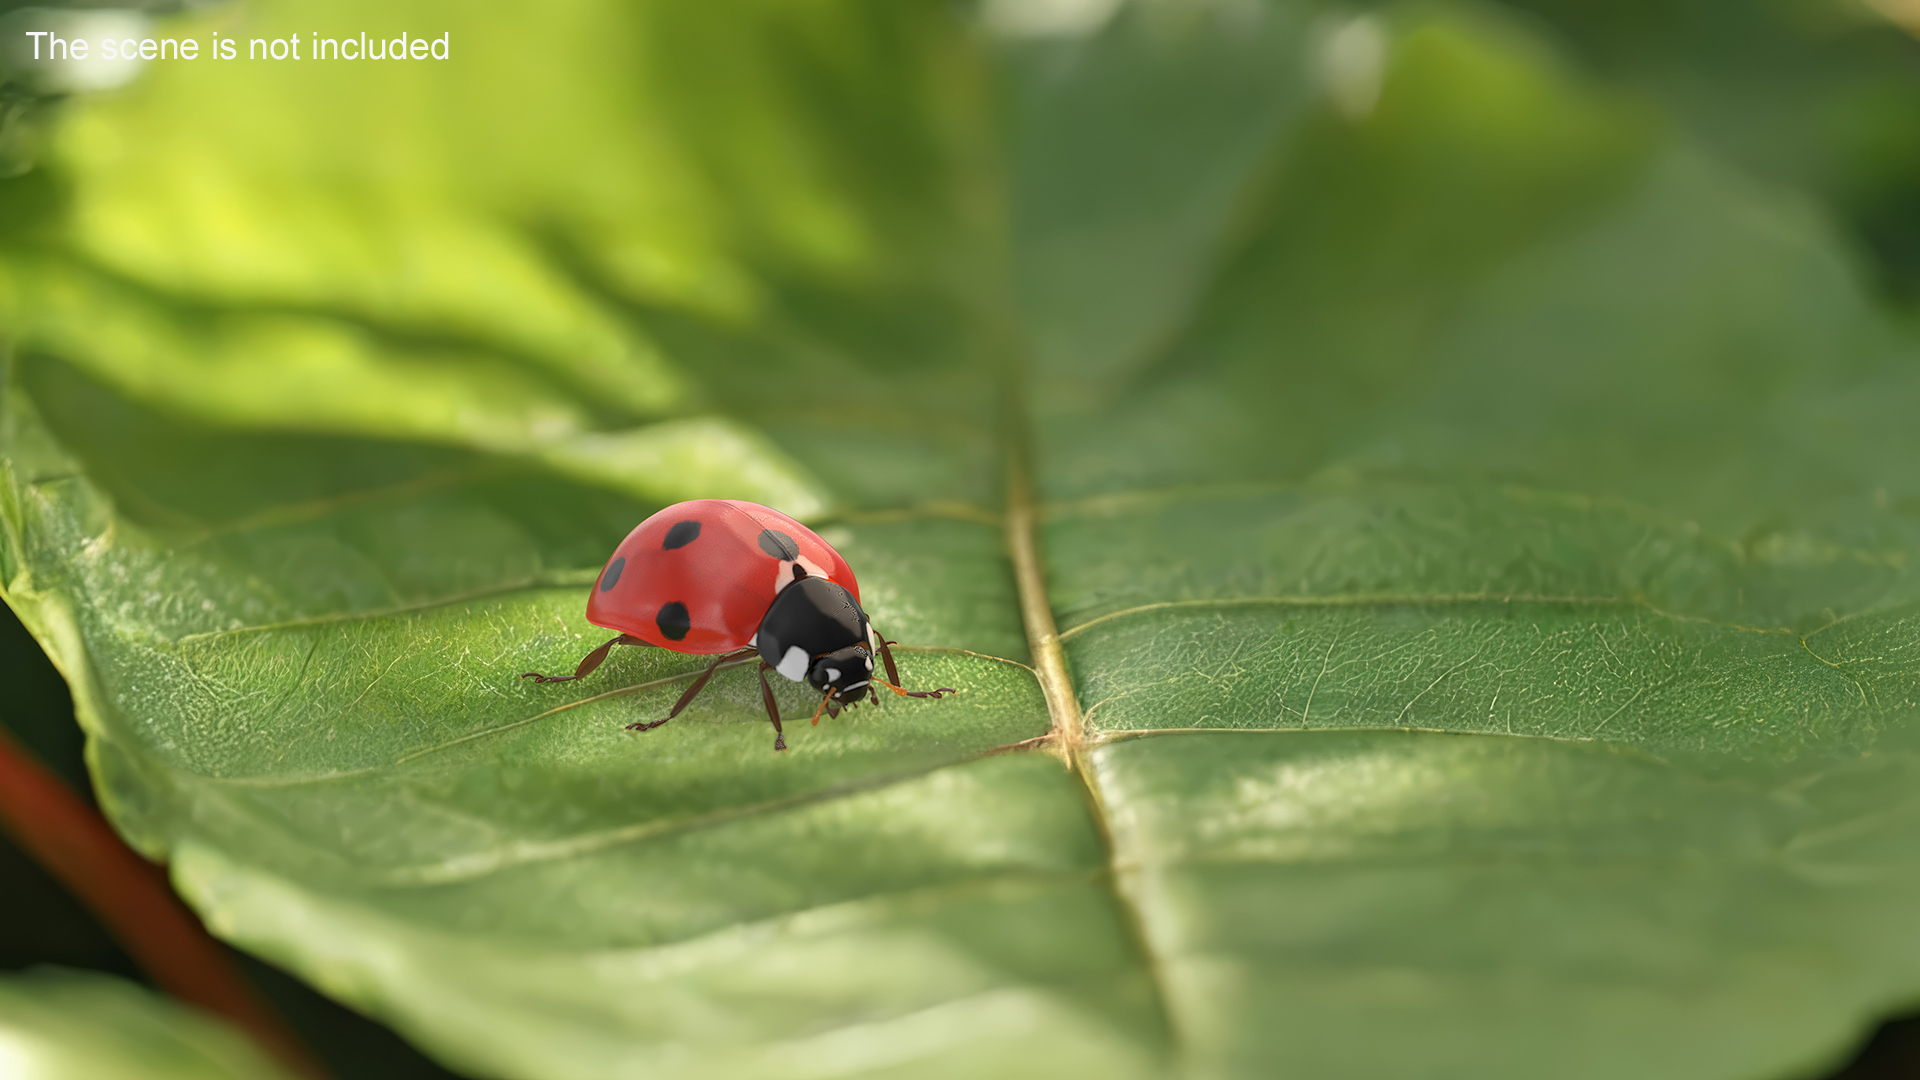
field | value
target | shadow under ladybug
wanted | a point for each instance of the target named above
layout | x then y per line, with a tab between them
729	579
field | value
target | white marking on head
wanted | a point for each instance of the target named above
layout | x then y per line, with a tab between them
867	660
833	674
851	687
794	664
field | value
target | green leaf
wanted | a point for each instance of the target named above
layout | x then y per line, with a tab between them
62	1024
1475	516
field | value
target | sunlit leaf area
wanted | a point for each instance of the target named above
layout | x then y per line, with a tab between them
1420	504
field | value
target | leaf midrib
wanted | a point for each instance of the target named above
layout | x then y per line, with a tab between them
1066	723
1036	610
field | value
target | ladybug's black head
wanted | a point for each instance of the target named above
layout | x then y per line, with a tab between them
847	671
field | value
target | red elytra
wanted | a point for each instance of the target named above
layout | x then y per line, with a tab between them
722	576
721	561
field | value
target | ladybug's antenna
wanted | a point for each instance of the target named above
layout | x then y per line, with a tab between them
823	706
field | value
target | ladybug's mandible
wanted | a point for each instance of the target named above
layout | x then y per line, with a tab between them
735	578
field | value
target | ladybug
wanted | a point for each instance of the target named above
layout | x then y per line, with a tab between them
721	576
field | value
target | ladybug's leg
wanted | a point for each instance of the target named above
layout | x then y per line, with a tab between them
915	693
893	673
773	709
591	661
693	691
886	655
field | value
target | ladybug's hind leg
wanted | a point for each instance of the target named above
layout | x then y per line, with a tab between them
693	691
588	663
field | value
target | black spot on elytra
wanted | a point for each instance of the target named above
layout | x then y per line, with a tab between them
673	620
611	576
682	534
778	544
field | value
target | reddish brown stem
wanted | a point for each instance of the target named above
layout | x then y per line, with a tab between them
132	899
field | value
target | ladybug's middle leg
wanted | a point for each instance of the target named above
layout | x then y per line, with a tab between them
693	691
588	663
773	708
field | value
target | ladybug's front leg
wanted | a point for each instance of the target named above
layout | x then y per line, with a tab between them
591	661
892	681
886	655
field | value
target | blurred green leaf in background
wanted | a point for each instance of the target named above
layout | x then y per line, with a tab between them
58	1024
1471	450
